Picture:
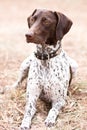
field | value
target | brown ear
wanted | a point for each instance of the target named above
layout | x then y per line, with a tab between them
28	19
63	25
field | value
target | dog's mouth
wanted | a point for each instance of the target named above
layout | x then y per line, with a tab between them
34	39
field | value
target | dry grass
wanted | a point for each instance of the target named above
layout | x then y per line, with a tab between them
13	50
72	117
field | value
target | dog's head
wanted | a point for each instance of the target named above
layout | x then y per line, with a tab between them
47	27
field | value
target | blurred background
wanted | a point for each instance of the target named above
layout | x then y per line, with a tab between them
13	27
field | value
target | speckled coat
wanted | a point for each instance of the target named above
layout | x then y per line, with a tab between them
48	79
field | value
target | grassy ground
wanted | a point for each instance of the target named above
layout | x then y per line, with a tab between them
13	50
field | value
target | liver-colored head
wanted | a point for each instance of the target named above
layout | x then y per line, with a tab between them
47	27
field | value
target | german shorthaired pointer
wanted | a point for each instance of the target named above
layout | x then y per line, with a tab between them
49	69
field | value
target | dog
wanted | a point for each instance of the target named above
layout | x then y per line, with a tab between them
49	70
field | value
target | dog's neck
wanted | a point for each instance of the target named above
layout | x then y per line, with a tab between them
45	52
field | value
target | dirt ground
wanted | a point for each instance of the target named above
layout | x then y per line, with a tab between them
14	49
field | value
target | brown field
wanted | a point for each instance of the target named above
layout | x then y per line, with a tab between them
13	50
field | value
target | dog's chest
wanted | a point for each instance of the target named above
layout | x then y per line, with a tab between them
50	71
51	75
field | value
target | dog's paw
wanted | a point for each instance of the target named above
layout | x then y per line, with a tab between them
24	128
26	125
49	122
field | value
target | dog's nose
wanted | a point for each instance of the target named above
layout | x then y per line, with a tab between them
29	35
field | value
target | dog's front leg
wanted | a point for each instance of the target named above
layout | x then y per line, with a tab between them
33	92
53	113
23	73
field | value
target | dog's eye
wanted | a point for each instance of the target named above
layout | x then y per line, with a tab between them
32	20
45	21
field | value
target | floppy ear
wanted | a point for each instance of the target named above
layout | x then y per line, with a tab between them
63	25
28	19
